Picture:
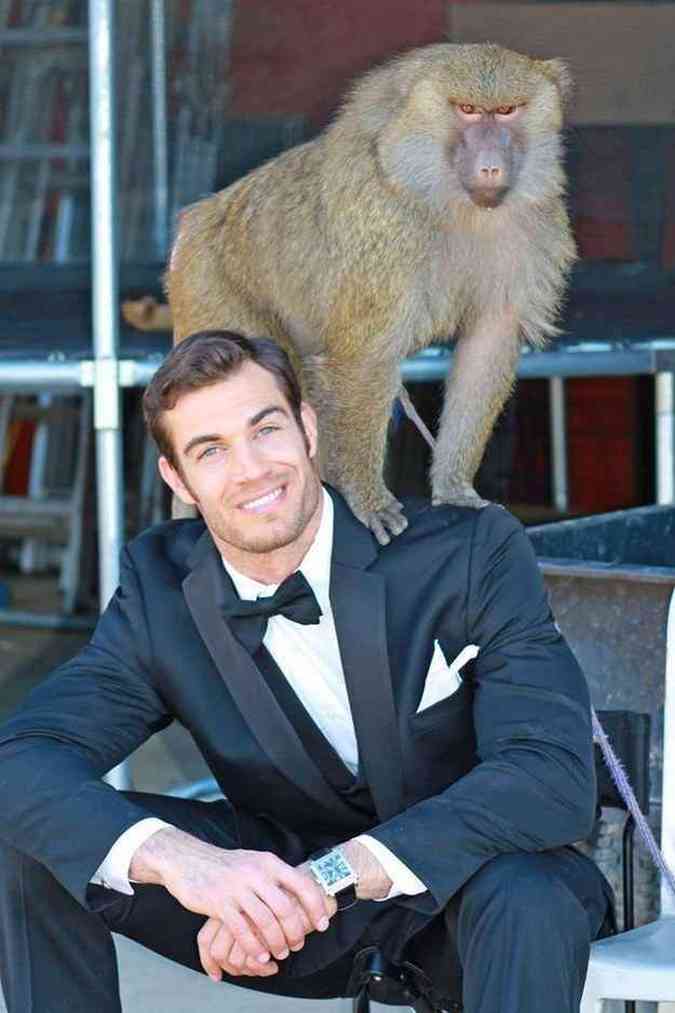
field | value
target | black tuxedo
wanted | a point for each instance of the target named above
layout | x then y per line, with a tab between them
503	765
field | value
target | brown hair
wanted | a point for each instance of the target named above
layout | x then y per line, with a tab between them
209	357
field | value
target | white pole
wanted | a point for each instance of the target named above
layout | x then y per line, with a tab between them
109	481
668	786
664	397
159	127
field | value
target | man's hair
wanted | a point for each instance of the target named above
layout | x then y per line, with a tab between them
203	359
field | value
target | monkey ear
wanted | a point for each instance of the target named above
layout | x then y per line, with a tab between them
558	72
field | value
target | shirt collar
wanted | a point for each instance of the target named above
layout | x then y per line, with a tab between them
315	566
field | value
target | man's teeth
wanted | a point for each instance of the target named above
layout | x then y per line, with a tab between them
263	500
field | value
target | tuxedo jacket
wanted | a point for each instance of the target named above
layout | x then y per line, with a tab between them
502	764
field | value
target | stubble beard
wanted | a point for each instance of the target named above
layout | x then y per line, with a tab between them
282	532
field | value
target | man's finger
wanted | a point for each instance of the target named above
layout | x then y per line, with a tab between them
265	923
205	938
229	956
308	893
243	933
290	914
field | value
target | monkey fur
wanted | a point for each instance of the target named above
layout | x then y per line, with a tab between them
431	208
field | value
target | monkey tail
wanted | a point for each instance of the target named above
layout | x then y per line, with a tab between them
410	410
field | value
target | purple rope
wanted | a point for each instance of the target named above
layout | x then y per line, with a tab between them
615	768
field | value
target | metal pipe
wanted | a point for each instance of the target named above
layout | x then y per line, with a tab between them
109	481
664	408
159	127
30	375
557	412
42	36
45	620
37	151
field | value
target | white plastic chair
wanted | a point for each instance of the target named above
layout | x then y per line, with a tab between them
640	964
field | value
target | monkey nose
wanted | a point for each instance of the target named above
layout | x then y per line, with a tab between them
491	173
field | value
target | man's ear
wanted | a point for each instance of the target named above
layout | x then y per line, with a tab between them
175	482
309	423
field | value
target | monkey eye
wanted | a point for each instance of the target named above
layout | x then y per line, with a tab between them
468	111
506	110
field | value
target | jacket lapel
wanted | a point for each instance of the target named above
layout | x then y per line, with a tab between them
359	607
205	589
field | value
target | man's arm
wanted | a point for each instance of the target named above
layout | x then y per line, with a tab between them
87	717
533	787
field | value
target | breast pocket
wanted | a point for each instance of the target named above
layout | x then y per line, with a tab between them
452	716
441	744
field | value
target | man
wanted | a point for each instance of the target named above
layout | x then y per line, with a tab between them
414	705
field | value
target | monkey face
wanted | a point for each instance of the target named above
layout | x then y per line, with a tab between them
489	151
479	128
248	466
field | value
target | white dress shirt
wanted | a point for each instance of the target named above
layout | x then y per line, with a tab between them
309	657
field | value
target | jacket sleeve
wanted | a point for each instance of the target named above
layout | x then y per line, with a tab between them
88	716
533	787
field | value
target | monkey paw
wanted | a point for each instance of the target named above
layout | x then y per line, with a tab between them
459	495
384	522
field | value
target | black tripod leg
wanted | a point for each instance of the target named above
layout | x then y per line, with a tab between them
361	1001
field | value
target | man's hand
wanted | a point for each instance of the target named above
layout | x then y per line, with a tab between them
219	952
266	906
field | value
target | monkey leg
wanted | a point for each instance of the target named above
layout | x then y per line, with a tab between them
353	400
480	382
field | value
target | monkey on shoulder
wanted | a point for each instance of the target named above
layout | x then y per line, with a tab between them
432	208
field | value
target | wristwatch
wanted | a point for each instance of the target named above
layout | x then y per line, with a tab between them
332	871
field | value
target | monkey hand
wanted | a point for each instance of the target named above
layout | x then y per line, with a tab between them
147	314
385	520
458	494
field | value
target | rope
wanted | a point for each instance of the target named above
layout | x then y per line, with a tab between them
620	779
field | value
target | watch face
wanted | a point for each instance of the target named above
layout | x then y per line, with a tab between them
333	868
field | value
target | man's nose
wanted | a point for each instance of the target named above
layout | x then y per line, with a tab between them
249	462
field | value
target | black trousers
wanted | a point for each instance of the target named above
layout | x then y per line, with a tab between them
515	939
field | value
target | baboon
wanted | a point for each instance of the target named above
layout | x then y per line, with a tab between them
431	208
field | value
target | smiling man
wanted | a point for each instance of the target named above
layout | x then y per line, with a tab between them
401	735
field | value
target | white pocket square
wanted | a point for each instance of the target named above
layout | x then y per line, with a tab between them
443	679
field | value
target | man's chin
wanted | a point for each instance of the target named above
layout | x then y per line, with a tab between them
262	539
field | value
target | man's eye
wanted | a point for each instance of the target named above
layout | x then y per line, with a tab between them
265	430
209	452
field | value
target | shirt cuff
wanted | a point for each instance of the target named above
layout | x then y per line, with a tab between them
113	872
403	881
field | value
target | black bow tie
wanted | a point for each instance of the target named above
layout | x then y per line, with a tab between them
293	599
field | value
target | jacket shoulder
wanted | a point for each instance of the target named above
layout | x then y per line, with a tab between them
450	524
166	545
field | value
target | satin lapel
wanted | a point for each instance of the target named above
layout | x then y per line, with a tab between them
359	607
204	589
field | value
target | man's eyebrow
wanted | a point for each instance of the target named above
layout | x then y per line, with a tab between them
253	421
264	412
196	440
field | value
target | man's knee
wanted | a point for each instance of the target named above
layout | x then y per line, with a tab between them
523	891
